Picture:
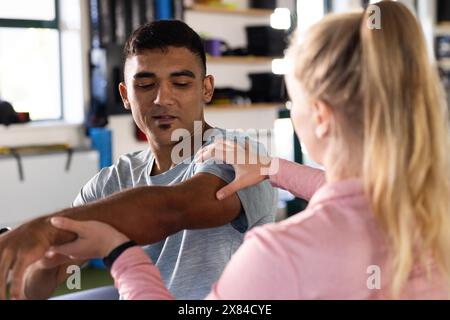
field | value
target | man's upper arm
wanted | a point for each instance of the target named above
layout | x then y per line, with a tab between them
198	205
259	202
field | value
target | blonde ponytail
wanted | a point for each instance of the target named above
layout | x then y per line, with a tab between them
382	86
405	162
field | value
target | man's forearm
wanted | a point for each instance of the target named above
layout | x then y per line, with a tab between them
152	213
146	214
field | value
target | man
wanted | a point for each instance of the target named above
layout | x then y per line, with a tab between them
146	195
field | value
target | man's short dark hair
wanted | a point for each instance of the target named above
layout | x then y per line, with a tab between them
163	34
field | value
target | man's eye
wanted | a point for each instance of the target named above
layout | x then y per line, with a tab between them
146	85
181	84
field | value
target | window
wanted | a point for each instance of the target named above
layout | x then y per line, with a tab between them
30	77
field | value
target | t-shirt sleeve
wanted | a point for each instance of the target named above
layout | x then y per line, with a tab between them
258	202
88	193
93	189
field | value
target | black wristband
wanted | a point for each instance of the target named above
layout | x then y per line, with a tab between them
114	254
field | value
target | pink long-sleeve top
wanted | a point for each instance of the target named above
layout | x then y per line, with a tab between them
333	250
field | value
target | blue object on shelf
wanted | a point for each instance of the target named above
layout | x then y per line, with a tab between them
97	263
102	142
164	10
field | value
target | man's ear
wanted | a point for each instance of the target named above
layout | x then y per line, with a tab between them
124	95
208	89
323	118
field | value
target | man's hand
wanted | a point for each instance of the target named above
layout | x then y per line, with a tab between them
95	239
44	276
19	249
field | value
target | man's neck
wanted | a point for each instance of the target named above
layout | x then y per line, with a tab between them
163	154
163	161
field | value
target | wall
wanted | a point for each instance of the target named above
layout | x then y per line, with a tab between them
47	185
41	133
123	136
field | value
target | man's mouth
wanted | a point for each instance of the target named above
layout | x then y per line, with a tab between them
165	119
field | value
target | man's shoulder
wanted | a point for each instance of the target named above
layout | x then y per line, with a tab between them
142	156
240	136
125	168
131	161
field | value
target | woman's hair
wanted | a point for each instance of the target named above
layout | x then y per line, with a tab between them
386	94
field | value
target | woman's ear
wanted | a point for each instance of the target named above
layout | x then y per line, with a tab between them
208	89
124	95
323	118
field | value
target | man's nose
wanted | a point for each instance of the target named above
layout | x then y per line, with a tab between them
164	96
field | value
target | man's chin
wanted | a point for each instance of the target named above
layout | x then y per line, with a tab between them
163	137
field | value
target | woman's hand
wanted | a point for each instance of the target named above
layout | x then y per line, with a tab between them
95	239
250	167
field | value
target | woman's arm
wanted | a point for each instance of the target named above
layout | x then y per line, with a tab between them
137	278
252	168
302	181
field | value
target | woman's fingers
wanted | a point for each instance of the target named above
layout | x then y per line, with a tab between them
224	151
216	152
229	190
67	224
74	250
52	260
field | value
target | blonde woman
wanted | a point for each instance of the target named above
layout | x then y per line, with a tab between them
368	106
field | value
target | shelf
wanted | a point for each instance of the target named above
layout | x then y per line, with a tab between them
224	10
442	28
444	25
241	60
444	63
222	107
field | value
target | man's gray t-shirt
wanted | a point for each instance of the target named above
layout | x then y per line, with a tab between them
190	261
